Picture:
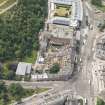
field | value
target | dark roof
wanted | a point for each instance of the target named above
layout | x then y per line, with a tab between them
61	22
59	41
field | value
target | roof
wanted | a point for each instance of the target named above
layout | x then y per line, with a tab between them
76	12
68	2
41	60
23	68
78	35
39	76
59	41
61	22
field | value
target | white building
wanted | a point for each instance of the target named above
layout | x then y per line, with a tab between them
63	16
23	68
65	12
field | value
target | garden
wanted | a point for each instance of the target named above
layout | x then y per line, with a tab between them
62	10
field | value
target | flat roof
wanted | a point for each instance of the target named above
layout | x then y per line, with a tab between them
76	14
68	2
23	68
61	22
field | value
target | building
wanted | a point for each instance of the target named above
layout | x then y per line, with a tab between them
98	72
23	68
57	41
100	49
63	17
65	12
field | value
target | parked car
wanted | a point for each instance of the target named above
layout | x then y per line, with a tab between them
91	27
85	101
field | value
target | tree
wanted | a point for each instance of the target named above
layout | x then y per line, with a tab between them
100	102
96	2
17	91
2	87
55	68
102	26
11	75
19	29
5	98
1	70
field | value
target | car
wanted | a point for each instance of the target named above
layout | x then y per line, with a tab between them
84	41
89	81
85	101
80	60
91	27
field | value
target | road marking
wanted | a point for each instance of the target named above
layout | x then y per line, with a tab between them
93	49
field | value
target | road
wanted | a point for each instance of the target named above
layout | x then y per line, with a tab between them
33	85
87	56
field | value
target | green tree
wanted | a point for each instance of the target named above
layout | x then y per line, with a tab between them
5	98
19	29
11	75
55	68
17	91
2	87
96	2
100	102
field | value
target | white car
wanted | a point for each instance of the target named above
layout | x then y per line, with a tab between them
84	41
91	27
80	60
89	81
85	101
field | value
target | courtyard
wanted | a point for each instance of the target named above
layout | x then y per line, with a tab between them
62	10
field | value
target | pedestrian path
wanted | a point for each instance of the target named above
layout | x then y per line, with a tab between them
2	3
6	5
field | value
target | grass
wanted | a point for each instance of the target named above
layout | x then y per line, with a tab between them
32	58
5	70
28	92
62	10
2	1
80	101
102	8
7	4
40	90
100	101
